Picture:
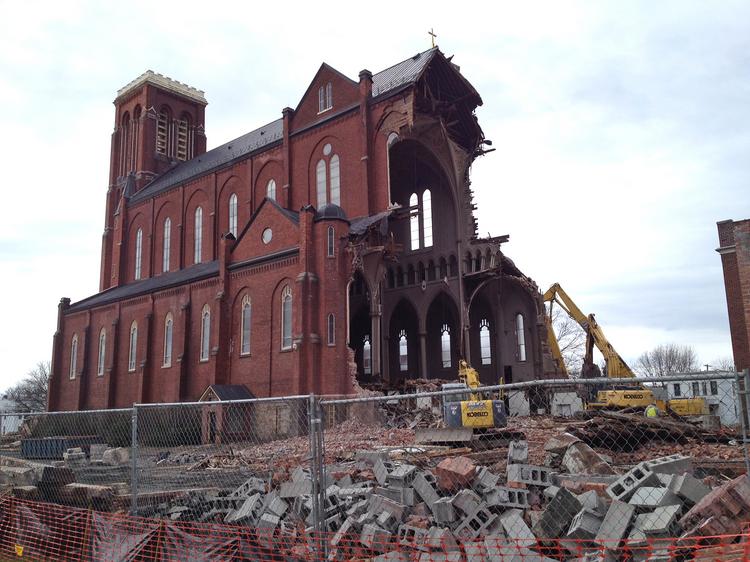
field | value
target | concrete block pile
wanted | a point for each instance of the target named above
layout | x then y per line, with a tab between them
376	508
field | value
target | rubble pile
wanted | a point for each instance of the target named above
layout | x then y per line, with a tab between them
576	507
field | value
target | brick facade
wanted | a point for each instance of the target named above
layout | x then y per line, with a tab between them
357	285
734	247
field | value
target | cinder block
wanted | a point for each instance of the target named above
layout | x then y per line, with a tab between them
249	487
293	489
647	497
516	528
401	476
381	470
371	457
518	452
425	489
277	507
466	500
411	536
660	522
476	523
623	488
592	500
392	556
374	537
501	496
672	464
579	458
443	511
380	503
615	524
689	488
441	539
440	557
247	512
529	474
558	515
484	481
387	521
348	527
585	525
403	496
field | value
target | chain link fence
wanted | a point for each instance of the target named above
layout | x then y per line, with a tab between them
596	469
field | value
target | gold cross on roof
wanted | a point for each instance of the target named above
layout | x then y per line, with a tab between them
433	36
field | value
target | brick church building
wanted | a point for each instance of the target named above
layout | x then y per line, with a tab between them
336	237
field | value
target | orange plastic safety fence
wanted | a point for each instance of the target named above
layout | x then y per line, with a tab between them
43	531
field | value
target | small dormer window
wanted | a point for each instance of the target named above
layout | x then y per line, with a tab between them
325	98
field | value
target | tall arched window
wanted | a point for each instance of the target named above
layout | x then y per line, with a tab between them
183	148
331	329
138	253
286	318
445	346
102	353
335	180
414	221
320	176
73	357
331	242
521	338
427	218
205	332
367	356
233	214
403	352
162	132
168	329
485	349
133	347
271	189
198	235
245	326
166	245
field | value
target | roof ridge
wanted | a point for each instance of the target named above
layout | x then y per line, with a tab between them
413	57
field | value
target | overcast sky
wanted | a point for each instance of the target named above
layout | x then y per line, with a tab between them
622	132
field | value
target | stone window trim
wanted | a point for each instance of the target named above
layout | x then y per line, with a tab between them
246	312
168	341
205	341
73	357
102	352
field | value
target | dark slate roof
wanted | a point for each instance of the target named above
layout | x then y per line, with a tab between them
360	225
402	73
164	281
247	143
231	391
397	75
330	211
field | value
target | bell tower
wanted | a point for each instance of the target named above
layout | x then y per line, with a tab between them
159	122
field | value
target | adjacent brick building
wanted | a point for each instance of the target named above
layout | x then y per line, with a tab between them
734	247
338	238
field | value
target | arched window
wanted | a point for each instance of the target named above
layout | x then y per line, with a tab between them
125	144
331	329
166	245
445	346
133	347
168	329
286	318
183	130
403	352
245	326
233	214
335	180
367	356
485	349
320	175
138	253
102	353
427	218
271	190
331	242
205	332
162	132
521	337
414	221
198	235
73	356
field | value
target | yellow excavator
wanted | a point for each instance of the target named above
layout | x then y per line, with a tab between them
630	396
473	408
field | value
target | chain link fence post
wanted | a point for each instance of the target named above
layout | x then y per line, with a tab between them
134	461
317	473
743	388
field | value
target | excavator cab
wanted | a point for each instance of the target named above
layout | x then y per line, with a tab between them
473	408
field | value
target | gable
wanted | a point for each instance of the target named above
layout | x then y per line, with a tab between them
344	94
284	226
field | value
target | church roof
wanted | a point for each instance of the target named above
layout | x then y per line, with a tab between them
391	78
330	211
145	286
234	149
223	392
